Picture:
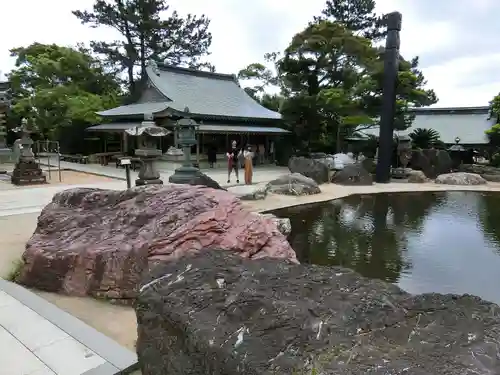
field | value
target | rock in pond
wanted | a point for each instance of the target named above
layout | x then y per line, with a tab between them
417	177
353	174
250	192
294	184
216	313
98	242
460	178
311	168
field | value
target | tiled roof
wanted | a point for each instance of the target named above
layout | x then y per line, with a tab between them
135	109
469	127
206	93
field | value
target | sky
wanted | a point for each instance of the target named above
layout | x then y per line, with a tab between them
456	40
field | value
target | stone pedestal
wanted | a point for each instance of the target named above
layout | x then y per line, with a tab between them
28	173
148	175
184	174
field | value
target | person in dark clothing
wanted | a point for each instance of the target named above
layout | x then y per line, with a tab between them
233	156
212	156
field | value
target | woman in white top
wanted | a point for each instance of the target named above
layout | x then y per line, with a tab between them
248	156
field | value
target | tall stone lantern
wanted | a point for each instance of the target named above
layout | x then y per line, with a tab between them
404	150
5	152
187	128
148	152
27	171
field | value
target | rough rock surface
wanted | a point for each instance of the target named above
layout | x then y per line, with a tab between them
479	169
431	161
202	179
417	177
283	224
491	177
353	174
250	192
488	172
342	160
444	163
311	168
98	242
219	314
293	184
460	178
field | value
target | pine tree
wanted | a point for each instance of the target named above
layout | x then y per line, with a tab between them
177	40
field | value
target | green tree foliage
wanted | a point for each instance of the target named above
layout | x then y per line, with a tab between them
148	34
319	73
356	15
410	91
494	132
331	77
425	138
57	86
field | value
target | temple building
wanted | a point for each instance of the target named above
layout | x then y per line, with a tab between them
223	110
463	125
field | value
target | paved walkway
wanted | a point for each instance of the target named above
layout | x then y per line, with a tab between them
261	173
37	338
31	200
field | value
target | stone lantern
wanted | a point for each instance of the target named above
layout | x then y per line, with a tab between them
5	152
148	153
27	171
187	128
404	156
404	150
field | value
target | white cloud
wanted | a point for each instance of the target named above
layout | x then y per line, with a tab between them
453	40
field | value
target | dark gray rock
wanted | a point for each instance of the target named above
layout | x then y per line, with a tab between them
417	177
318	155
219	314
444	163
353	174
479	169
460	178
491	177
431	161
203	180
293	184
311	168
420	162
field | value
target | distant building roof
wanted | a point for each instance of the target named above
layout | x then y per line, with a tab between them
448	110
466	123
204	93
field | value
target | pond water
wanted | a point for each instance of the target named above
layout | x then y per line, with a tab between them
445	242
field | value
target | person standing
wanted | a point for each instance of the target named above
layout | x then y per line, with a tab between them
212	155
248	156
232	162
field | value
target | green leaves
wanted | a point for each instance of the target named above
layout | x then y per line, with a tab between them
56	86
425	138
149	30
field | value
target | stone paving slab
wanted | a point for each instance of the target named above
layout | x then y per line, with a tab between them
38	338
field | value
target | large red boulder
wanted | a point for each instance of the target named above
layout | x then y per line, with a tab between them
99	242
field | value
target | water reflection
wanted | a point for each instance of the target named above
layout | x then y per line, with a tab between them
424	242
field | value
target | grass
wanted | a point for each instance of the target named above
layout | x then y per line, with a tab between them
15	271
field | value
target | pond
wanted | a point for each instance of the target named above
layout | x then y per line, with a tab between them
444	242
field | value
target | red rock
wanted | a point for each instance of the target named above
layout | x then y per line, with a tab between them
99	242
